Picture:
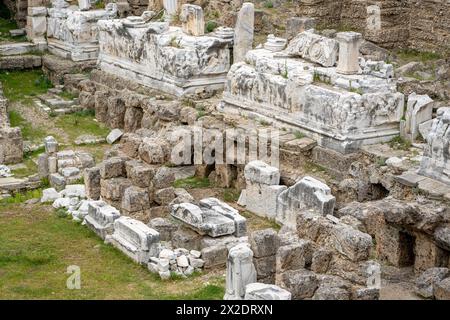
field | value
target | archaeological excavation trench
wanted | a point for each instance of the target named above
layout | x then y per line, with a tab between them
278	150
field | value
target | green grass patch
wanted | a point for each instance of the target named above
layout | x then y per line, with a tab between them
79	123
21	197
210	26
408	55
67	95
29	132
7	24
231	195
400	143
298	134
268	4
255	222
192	182
38	247
20	85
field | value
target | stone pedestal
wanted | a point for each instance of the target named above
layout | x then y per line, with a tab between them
243	31
274	44
192	18
240	271
349	43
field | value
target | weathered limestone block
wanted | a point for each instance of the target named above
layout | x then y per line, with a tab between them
11	145
139	173
264	242
262	189
114	188
130	143
315	48
307	194
442	290
296	25
436	159
101	217
101	105
112	168
300	283
132	119
261	291
154	151
215	256
332	234
321	259
294	256
427	280
349	43
135	199
165	227
116	112
240	271
92	183
135	239
43	169
192	20
427	254
332	288
243	32
419	109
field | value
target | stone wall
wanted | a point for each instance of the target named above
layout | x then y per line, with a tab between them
11	147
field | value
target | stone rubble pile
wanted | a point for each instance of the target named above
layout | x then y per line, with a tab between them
180	261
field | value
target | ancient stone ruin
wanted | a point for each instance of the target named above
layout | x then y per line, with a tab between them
11	148
307	162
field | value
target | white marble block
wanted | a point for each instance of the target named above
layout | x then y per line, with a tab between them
101	217
192	20
135	239
240	271
436	158
262	189
306	194
243	31
419	109
211	217
262	291
349	43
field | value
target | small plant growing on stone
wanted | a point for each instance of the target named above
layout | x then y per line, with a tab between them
61	213
298	135
285	72
400	143
174	43
210	26
264	123
268	4
99	4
